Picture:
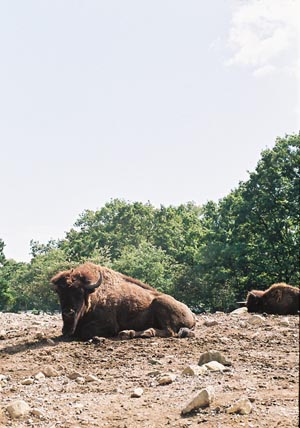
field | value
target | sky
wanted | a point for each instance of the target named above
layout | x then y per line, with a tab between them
163	101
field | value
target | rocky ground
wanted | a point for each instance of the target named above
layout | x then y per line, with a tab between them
140	382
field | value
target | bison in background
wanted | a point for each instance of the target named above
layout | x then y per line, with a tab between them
281	299
97	301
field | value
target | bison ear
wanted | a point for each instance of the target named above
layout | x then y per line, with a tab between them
60	279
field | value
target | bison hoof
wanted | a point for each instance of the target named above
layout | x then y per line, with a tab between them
185	332
96	340
150	332
126	334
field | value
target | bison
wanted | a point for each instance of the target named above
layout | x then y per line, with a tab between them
98	301
281	299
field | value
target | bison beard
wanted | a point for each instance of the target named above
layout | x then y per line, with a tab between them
281	299
97	301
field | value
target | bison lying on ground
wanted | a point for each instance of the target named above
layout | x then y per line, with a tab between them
97	301
281	299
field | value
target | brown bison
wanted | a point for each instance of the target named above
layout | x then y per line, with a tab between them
97	301
281	299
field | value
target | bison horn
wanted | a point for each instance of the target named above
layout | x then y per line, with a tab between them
96	284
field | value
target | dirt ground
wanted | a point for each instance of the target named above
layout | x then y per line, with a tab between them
264	356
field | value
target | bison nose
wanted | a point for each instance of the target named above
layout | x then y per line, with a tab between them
69	313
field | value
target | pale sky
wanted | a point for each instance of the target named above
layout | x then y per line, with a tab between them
164	101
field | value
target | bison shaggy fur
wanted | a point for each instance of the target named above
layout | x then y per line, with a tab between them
98	301
281	299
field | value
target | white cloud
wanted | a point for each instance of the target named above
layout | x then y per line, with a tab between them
264	35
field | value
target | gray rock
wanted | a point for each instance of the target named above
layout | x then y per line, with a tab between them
203	399
239	311
27	381
18	409
166	378
256	320
284	322
50	371
194	370
38	413
39	376
137	393
91	378
208	356
210	323
215	366
242	406
74	375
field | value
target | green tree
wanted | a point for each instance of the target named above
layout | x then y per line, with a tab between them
149	264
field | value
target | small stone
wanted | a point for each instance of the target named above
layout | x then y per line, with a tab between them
28	381
50	371
50	342
242	324
39	376
284	322
74	375
256	320
239	311
242	406
37	412
40	336
208	356
194	370
210	323
215	366
2	334
18	409
155	362
91	378
137	393
3	380
166	378
203	399
80	380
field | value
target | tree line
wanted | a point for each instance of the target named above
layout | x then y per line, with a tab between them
207	256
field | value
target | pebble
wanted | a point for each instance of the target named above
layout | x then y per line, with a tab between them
137	393
239	311
38	412
50	371
39	376
74	375
242	406
80	380
27	381
208	356
284	322
155	362
2	334
166	378
210	323
256	320
91	378
215	366
203	399
194	370
18	409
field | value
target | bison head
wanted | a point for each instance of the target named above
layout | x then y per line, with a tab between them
254	301
73	288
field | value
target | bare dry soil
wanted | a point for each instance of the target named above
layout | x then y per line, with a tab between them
264	356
